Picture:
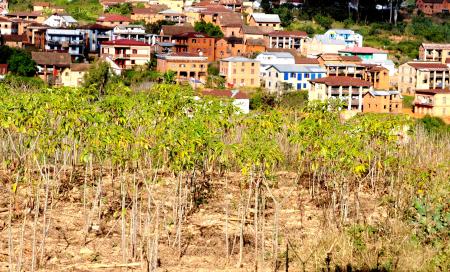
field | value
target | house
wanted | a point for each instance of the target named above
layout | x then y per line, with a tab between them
381	101
350	37
254	46
240	72
282	78
265	20
149	14
73	76
207	12
3	6
133	32
435	102
195	42
7	26
287	39
35	35
113	20
229	47
40	6
268	59
240	99
337	65
66	40
230	23
435	52
378	76
176	5
169	31
63	21
430	7
349	90
185	65
50	65
320	44
370	55
35	16
234	5
171	16
420	75
126	53
96	35
252	32
13	40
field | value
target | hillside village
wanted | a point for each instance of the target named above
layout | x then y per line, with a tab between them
250	49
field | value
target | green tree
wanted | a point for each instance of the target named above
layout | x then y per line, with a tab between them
155	28
209	28
123	9
324	21
98	76
169	77
21	63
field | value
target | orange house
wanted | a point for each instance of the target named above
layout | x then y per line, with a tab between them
229	47
382	101
195	43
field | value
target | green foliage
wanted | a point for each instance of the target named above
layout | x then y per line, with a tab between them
123	9
155	28
136	76
424	27
434	124
23	83
98	77
408	101
324	21
19	61
297	99
169	77
263	101
286	14
208	28
213	69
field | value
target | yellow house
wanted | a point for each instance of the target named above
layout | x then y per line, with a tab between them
434	102
265	20
240	72
176	5
73	76
435	52
420	75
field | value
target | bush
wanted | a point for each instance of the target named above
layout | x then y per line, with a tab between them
434	124
209	28
297	99
324	21
24	83
262	101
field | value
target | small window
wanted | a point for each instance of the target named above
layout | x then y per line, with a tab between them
67	73
133	62
194	41
253	71
234	71
253	64
134	51
252	81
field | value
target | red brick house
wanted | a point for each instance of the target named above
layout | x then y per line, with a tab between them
430	7
195	42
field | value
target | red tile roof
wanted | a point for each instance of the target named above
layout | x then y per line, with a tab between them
3	19
225	93
436	45
284	33
428	65
363	50
342	81
302	60
173	30
52	58
153	9
193	35
434	91
113	18
125	42
337	57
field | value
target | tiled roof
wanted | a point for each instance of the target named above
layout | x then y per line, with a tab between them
434	91
363	50
285	33
302	60
14	38
266	18
51	58
428	65
173	30
3	19
255	42
192	35
80	67
436	45
231	2
252	30
236	94
126	42
337	57
152	9
342	81
230	19
383	92
24	13
113	18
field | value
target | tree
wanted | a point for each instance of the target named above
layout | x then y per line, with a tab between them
169	77
123	9
324	21
98	76
21	63
209	28
155	28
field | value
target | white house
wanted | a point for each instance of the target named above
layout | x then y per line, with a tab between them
133	32
268	59
286	77
57	20
240	99
350	37
371	55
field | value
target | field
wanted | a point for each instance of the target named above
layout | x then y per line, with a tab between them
159	181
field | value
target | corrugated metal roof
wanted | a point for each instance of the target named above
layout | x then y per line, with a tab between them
239	59
281	55
266	18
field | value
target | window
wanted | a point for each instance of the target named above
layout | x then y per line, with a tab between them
252	81
234	71
194	41
67	73
242	81
242	70
253	71
201	65
234	81
253	64
270	74
293	75
384	106
182	65
133	62
134	51
193	65
306	75
444	100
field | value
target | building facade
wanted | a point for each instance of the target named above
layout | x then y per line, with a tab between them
195	43
420	75
430	7
350	37
435	102
126	53
282	78
435	52
185	65
381	101
240	72
65	40
269	21
268	59
287	39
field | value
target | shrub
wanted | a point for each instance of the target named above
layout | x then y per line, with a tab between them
434	125
324	21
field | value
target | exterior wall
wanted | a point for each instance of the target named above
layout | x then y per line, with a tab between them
241	74
148	18
232	31
380	80
314	47
354	101
8	28
268	60
299	81
406	79
72	78
113	24
275	26
434	54
224	49
432	8
172	4
249	49
14	44
411	79
184	69
296	43
382	104
127	56
436	105
196	45
68	40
